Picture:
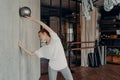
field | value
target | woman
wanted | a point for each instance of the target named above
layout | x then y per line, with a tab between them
53	50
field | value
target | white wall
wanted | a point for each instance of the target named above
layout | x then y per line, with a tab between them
15	64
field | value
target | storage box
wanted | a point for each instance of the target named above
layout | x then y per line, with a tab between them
116	59
109	58
113	36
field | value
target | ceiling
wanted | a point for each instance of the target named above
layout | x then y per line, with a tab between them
65	3
57	8
56	3
63	7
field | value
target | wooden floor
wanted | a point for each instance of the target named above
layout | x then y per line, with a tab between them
106	72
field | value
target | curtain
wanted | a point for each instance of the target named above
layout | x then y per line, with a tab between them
88	33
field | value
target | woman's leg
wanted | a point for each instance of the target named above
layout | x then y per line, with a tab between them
52	74
66	73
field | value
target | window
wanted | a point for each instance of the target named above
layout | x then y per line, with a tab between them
70	33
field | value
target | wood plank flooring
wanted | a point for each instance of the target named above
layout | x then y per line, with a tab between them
106	72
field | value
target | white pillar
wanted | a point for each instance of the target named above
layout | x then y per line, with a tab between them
14	64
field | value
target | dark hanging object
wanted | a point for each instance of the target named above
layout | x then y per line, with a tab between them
94	58
25	11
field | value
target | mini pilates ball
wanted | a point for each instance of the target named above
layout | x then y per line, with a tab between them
24	11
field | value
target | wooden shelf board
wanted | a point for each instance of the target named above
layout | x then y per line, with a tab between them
113	55
108	30
113	63
111	38
109	23
113	46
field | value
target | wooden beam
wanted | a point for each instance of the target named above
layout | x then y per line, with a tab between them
109	23
74	49
81	42
107	30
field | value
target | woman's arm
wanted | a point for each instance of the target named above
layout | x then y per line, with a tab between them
24	49
41	23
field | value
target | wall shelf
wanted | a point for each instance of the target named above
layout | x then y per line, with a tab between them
113	55
113	46
108	30
111	38
109	24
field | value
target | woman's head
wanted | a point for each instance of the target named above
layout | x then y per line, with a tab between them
43	34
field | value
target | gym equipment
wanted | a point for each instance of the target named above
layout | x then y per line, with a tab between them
77	62
25	11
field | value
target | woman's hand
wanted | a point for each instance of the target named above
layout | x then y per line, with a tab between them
20	44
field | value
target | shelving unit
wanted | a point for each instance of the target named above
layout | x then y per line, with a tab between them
112	43
109	24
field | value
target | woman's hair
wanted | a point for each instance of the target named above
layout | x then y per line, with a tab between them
44	30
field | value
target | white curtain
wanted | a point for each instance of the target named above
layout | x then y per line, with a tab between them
88	33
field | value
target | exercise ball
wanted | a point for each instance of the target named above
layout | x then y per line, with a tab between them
24	11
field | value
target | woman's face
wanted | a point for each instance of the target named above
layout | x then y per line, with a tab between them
42	36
